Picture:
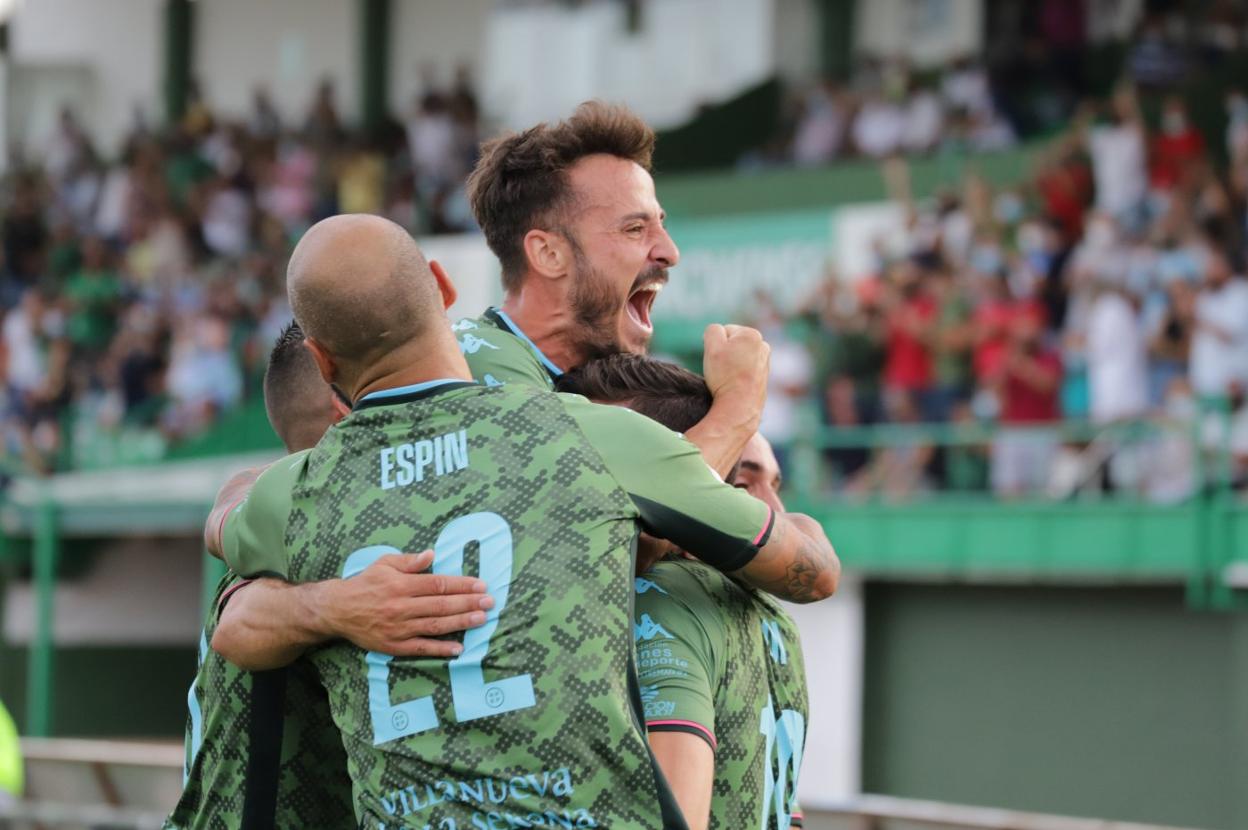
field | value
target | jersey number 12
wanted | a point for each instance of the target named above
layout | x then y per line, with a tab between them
471	695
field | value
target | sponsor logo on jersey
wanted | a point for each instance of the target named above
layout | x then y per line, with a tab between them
643	585
492	381
471	344
410	463
775	642
648	629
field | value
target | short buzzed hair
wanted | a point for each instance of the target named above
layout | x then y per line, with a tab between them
521	182
359	315
295	396
664	392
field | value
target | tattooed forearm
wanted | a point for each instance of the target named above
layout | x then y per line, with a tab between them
798	563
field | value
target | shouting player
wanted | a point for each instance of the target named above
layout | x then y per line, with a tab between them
723	682
540	495
571	212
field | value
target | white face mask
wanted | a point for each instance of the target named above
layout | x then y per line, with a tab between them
1174	123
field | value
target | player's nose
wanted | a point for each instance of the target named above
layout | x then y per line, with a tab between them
665	252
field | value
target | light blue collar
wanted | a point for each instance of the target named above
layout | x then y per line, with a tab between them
516	330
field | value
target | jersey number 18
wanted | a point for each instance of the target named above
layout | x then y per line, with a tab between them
472	697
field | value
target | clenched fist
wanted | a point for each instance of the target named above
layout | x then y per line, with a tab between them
735	365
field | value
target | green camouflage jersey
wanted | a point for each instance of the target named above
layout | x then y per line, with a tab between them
724	662
498	352
249	763
538	722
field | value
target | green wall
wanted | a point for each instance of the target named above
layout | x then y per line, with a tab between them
1118	703
128	691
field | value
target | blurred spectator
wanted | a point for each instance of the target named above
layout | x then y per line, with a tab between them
911	316
1177	150
1116	356
265	123
821	126
203	377
1219	353
1026	381
93	296
1119	160
879	127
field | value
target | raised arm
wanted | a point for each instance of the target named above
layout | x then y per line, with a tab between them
679	498
734	363
798	562
390	607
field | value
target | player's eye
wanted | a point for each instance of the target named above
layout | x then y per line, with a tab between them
741	486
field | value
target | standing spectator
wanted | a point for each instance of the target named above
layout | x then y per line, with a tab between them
1116	358
952	336
1119	161
265	123
1028	382
323	128
1170	343
908	370
1219	356
1178	149
925	120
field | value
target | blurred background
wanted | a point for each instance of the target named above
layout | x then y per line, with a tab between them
998	249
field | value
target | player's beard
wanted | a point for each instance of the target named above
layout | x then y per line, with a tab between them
596	307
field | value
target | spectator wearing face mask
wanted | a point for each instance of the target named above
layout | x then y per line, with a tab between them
1178	148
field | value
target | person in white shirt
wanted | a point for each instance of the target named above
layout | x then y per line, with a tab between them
1119	160
1116	356
879	127
1219	356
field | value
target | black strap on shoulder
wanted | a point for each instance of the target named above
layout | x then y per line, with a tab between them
264	759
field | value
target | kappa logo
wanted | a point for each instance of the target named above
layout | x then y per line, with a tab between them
775	642
648	629
643	585
471	344
463	325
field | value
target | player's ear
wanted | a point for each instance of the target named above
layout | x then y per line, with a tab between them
449	294
547	253
324	361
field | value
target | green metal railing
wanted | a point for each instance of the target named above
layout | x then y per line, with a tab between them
949	535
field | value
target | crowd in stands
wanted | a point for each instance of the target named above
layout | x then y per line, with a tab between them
139	294
141	290
1109	287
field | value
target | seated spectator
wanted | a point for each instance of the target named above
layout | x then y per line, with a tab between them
93	296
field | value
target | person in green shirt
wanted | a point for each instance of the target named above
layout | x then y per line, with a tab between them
723	681
542	496
94	293
261	747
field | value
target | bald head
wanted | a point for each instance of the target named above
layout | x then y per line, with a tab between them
361	288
